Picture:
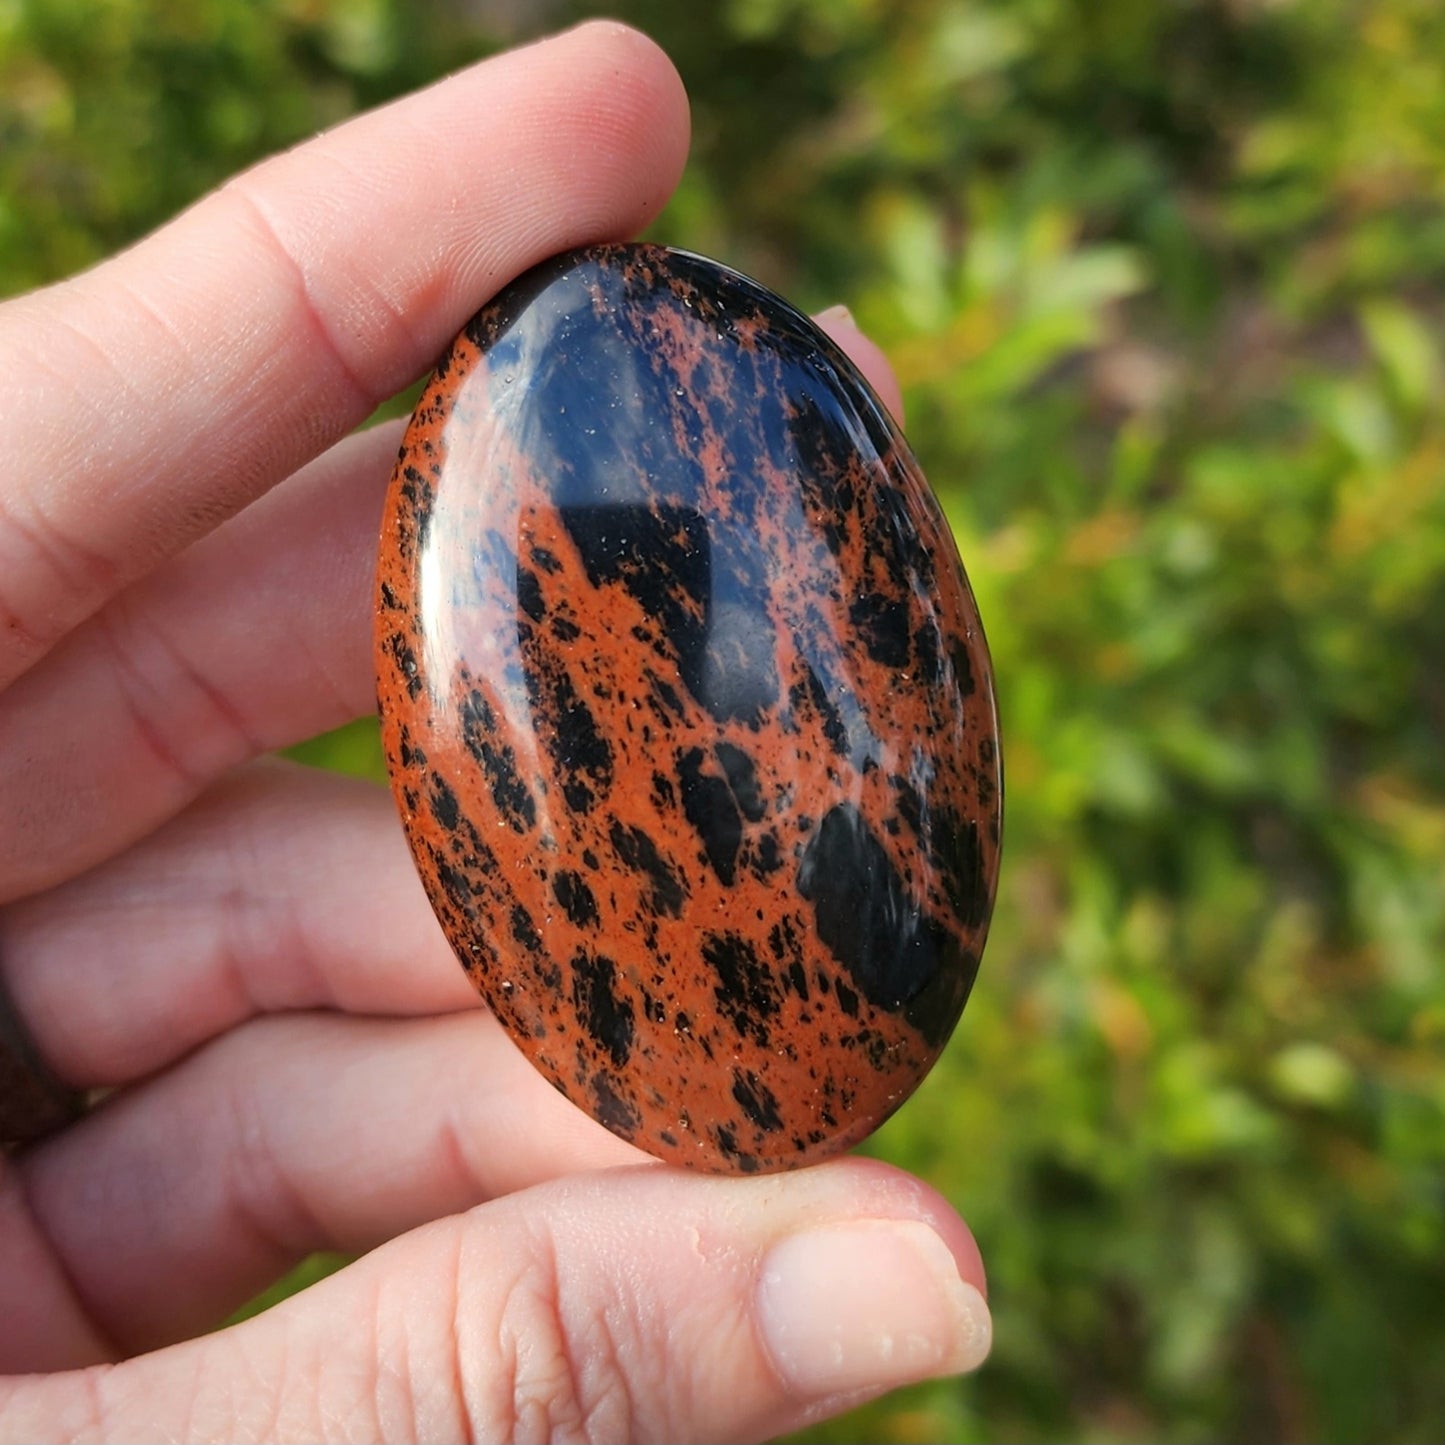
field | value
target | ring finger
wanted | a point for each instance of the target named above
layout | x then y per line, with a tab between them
180	1197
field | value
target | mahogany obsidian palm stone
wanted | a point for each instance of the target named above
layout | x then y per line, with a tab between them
687	709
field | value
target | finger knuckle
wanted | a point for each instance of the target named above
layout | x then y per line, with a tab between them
559	1364
189	724
48	561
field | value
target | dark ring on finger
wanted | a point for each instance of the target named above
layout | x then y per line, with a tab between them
33	1102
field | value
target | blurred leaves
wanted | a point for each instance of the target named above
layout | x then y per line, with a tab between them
1165	285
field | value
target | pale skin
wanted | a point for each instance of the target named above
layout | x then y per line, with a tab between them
239	949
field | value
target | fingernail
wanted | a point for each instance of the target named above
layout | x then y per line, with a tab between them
836	316
868	1305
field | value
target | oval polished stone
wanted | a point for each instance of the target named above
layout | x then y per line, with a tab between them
687	709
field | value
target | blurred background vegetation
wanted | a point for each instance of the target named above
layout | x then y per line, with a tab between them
1165	281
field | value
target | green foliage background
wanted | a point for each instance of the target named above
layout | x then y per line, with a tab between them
1164	280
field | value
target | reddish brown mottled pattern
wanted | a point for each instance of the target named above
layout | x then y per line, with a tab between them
688	710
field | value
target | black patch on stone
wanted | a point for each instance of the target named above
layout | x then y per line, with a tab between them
882	623
663	793
611	1110
577	746
910	805
962	668
746	991
529	594
419	495
727	1144
524	930
743	780
769	857
829	495
897	541
512	797
783	943
798	980
708	804
443	804
577	899
545	560
960	861
455	885
608	1019
898	958
809	692
926	651
405	659
757	1101
666	694
638	852
408	750
660	555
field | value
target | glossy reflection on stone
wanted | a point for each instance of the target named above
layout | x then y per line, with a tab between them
687	709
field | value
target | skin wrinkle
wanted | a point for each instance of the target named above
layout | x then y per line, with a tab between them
93	1382
263	941
81	472
66	559
249	947
365	395
451	1148
130	637
149	310
260	1188
548	1391
69	1282
97	1344
597	1356
433	1410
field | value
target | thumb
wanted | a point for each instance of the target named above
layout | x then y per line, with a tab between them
638	1304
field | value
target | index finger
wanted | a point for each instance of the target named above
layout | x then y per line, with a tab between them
161	392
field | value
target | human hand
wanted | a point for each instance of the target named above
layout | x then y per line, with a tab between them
239	950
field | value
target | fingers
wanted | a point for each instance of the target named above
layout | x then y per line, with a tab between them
284	888
256	637
633	1305
288	1136
165	390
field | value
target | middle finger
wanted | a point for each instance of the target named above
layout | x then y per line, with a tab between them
284	888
